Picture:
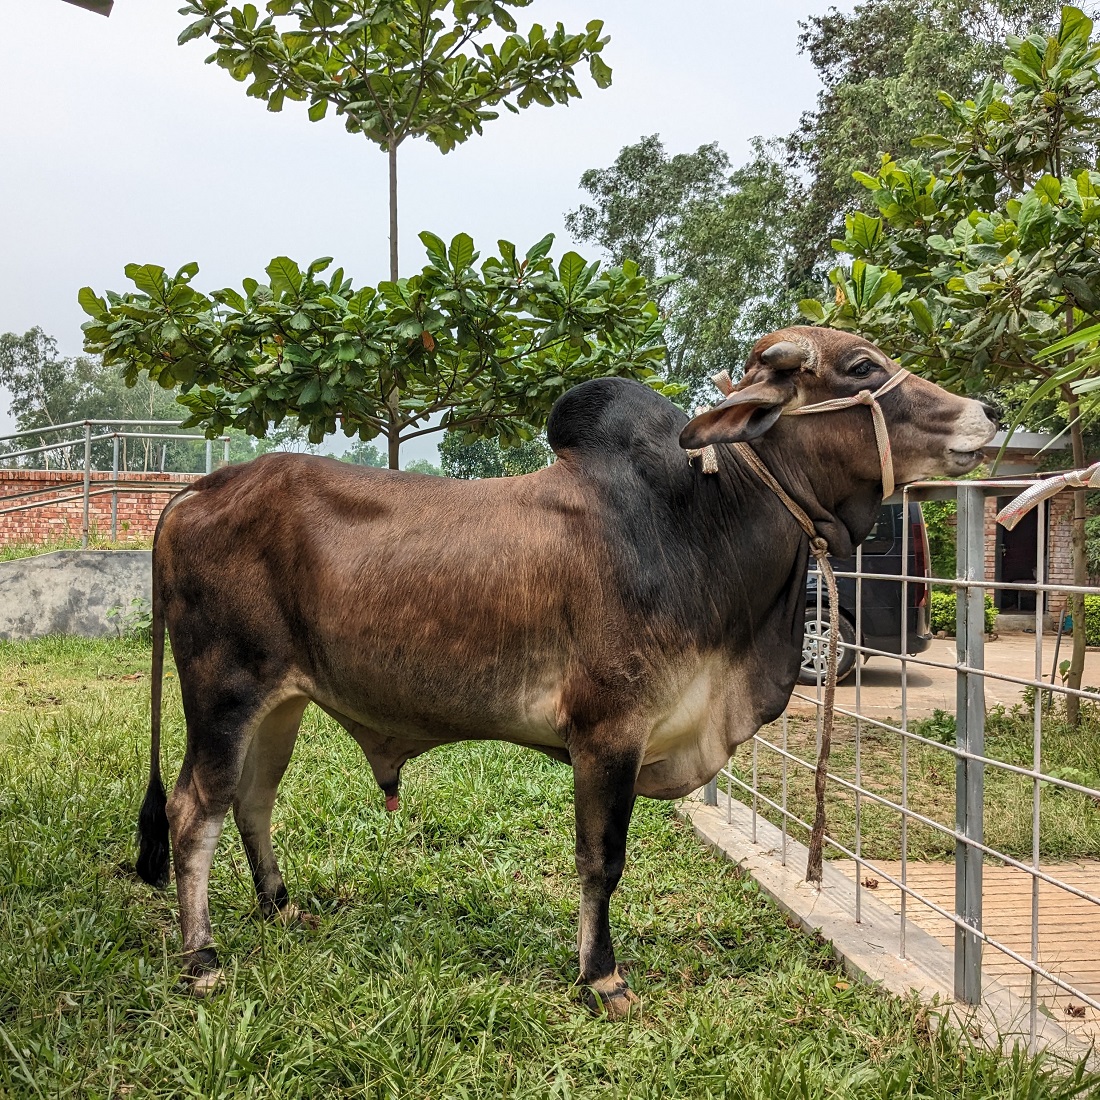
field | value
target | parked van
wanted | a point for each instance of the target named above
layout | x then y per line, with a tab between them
881	621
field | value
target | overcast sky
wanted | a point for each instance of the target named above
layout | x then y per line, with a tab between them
117	145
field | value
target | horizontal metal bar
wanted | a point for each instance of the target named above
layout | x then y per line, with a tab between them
53	447
955	582
49	429
98	492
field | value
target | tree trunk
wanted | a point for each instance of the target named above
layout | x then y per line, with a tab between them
393	398
1080	570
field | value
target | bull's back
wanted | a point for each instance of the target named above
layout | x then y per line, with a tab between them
405	601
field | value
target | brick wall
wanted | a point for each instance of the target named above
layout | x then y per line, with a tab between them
1059	550
58	518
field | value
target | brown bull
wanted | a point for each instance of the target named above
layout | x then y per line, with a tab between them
620	611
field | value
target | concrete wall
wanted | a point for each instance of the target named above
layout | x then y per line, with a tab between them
70	592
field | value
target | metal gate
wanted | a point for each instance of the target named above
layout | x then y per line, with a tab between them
945	833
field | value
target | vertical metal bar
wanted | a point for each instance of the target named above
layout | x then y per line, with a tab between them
225	451
210	463
970	737
783	799
1036	764
114	491
858	728
87	482
710	793
904	647
755	782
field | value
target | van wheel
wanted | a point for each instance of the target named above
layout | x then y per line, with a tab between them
815	648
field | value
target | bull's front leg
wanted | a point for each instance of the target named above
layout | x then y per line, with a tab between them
603	786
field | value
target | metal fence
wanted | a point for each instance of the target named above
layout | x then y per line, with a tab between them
1039	933
78	436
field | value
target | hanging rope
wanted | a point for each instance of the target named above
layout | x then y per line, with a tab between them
1016	509
819	548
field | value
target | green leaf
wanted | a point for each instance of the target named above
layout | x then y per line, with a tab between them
538	251
435	246
922	316
93	305
195	30
284	275
317	110
570	270
601	71
864	231
148	278
461	253
812	310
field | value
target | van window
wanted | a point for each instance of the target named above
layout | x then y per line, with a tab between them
881	538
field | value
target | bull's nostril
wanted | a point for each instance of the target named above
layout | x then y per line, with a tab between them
992	413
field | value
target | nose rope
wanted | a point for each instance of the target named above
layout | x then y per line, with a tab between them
819	548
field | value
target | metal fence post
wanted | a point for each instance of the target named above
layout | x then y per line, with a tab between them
87	482
710	793
209	455
970	738
114	491
225	451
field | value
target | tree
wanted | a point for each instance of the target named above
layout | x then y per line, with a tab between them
981	269
395	70
423	466
482	350
723	234
487	458
48	389
882	67
364	454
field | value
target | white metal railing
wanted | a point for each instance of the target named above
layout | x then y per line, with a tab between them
970	755
95	431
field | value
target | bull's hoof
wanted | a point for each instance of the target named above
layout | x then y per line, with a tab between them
203	975
206	984
613	998
290	916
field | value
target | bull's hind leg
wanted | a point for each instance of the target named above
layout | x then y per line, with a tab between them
220	730
603	785
266	761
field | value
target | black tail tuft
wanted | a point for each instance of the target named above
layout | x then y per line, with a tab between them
152	860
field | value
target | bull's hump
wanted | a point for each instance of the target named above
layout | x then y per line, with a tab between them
610	419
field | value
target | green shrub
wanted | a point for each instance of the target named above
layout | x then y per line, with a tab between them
942	612
1092	620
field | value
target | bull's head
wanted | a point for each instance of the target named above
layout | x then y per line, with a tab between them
932	432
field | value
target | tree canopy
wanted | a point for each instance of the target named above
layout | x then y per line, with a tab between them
882	67
981	269
485	348
723	234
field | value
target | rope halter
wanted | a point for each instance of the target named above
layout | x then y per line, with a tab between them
870	398
882	435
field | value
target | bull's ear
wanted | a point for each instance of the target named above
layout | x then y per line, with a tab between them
744	415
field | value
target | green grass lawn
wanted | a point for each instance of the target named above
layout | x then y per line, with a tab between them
443	958
17	550
1069	822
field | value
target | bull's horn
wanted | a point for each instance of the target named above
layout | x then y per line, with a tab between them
784	356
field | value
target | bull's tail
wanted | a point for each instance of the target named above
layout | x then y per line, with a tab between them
153	850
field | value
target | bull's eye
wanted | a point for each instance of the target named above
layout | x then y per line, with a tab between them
863	368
